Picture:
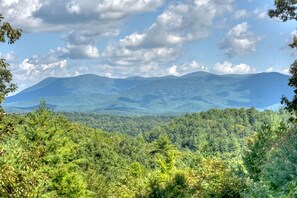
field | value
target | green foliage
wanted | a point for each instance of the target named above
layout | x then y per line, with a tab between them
215	132
42	154
280	168
261	142
10	34
178	187
259	189
287	10
7	32
131	125
216	179
270	160
292	105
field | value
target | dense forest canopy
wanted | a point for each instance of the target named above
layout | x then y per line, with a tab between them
219	153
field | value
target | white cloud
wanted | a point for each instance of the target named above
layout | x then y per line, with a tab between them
239	14
9	56
89	20
180	23
80	52
21	13
240	41
147	53
291	51
164	39
279	70
73	7
52	15
150	70
117	9
186	68
9	2
121	56
35	69
270	69
228	68
172	70
78	45
286	71
260	13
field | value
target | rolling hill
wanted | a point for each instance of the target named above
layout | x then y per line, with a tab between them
193	92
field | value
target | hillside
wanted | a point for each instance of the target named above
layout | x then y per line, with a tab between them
218	153
194	92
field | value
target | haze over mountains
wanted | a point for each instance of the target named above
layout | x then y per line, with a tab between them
194	92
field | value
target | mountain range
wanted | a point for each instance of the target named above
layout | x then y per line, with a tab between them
193	92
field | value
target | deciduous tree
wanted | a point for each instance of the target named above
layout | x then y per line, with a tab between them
9	35
287	10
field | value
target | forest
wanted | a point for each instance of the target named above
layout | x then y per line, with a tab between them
218	153
232	152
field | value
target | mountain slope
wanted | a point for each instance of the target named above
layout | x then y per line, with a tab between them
197	91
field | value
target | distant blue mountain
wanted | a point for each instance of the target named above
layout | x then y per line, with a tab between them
193	92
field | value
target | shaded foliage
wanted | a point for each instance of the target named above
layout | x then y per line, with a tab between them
9	35
287	10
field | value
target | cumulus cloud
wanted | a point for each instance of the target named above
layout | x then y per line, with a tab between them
78	45
239	41
76	52
34	69
179	23
151	52
125	57
164	39
228	68
55	64
189	67
52	15
9	56
89	20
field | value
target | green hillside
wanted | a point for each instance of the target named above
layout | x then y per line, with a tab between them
194	92
218	153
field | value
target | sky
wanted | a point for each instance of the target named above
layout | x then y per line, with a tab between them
123	38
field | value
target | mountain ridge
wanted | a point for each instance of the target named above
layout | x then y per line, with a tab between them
198	91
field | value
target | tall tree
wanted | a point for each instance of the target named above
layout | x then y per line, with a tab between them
287	10
9	35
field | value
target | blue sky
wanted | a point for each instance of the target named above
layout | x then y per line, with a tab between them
122	38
